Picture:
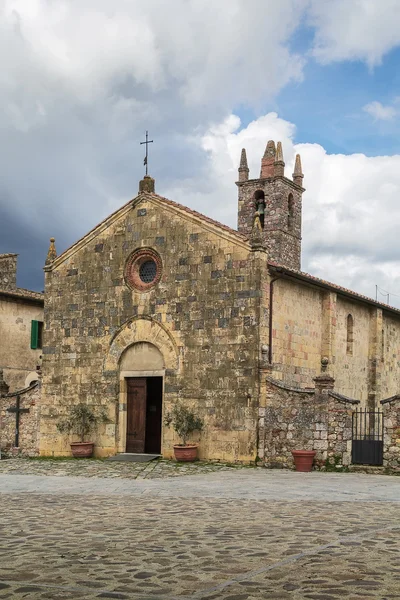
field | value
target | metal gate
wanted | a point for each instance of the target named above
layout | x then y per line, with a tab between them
367	438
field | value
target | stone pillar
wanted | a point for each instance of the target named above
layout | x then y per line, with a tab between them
375	355
8	271
323	384
329	319
391	433
147	184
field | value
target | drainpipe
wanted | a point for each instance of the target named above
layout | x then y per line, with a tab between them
271	301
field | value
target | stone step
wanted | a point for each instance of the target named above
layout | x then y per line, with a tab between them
133	457
367	469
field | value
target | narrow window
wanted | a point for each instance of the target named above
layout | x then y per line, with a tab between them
290	217
259	202
350	328
36	334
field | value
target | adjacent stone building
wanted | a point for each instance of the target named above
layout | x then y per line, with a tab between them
159	304
21	327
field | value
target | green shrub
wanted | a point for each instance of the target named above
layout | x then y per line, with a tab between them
82	420
184	421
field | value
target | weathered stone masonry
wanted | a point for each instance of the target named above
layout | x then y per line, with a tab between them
29	422
230	309
202	314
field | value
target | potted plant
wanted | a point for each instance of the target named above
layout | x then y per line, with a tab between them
82	420
303	460
185	422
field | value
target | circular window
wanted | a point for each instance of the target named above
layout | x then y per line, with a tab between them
143	269
148	271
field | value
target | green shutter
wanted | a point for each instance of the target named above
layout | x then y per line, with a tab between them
34	334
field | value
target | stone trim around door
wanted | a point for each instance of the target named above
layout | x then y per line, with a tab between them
122	404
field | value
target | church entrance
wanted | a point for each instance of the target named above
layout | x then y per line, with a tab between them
144	414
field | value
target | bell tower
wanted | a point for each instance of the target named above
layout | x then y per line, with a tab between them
277	201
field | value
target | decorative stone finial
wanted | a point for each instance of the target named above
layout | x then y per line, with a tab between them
243	167
279	165
147	184
52	253
267	162
4	387
324	364
298	173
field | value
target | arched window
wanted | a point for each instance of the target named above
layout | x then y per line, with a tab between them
350	338
290	214
259	203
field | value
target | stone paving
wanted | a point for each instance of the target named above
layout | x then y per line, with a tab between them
103	468
246	534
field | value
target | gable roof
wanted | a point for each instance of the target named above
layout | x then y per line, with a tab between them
152	197
316	281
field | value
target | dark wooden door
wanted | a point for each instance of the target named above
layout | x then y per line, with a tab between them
136	415
153	415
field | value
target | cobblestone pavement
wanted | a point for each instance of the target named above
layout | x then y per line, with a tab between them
249	534
104	468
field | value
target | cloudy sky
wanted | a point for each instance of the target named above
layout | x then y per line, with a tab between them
80	82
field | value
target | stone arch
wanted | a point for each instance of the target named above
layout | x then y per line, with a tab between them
142	356
349	334
139	330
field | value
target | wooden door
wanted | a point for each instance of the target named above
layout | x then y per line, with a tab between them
136	415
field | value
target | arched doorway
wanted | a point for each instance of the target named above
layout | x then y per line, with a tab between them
141	373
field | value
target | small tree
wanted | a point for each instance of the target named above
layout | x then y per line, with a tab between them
184	421
82	420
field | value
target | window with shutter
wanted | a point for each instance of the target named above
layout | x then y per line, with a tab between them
34	334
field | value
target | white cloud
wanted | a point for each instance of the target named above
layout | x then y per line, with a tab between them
379	111
350	208
354	29
80	82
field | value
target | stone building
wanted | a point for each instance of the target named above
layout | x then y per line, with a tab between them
21	327
159	304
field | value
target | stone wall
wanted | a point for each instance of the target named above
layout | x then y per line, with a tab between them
28	423
391	437
297	419
17	359
351	364
8	271
202	316
310	322
296	333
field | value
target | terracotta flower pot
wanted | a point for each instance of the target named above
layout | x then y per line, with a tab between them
82	449
303	460
186	453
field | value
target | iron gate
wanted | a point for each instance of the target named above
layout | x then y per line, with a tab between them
367	438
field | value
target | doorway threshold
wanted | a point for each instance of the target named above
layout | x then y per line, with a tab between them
134	457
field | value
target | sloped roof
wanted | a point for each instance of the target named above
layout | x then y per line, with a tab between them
23	294
307	278
149	196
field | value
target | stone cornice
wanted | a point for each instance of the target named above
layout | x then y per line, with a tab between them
288	388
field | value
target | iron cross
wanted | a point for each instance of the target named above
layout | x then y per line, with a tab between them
147	142
17	410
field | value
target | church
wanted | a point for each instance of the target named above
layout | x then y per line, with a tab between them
159	304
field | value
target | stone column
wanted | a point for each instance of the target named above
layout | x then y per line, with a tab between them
329	319
375	362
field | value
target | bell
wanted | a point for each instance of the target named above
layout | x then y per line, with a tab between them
260	208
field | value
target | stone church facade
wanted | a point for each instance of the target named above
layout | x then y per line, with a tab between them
159	304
